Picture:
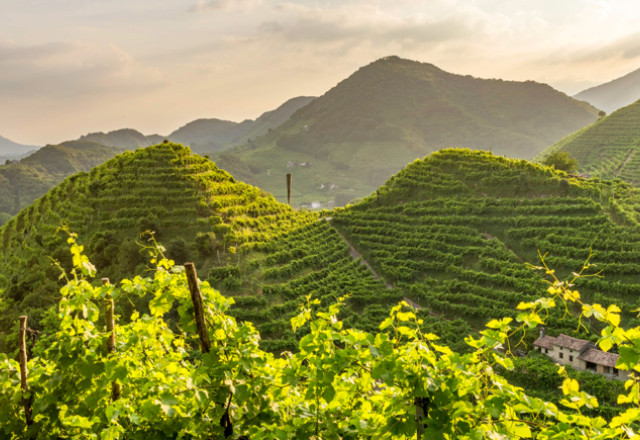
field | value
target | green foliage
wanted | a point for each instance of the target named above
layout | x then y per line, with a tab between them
560	160
340	384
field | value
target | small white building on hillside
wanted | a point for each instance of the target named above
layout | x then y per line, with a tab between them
580	354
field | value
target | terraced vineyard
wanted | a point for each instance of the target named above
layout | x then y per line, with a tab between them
609	147
464	255
312	260
196	210
451	234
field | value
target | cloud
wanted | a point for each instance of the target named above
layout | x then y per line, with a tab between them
64	70
362	22
226	5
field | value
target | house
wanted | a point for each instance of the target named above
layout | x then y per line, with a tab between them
579	354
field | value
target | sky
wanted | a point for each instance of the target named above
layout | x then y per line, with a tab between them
70	67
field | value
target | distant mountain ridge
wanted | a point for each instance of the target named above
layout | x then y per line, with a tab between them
392	111
13	150
614	94
208	135
126	138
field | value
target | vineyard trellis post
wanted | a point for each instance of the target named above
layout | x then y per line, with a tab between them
422	407
205	346
198	306
23	371
111	335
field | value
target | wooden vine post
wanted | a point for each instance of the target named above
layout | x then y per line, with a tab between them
289	188
23	370
422	408
198	307
203	335
111	337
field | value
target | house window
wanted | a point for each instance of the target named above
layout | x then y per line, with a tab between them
570	358
546	350
615	371
605	370
561	355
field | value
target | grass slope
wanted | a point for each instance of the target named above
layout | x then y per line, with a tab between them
608	148
389	113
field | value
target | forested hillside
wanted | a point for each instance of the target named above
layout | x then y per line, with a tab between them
608	148
346	143
209	135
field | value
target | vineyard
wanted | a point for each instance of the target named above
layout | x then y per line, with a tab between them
452	234
195	209
205	377
609	147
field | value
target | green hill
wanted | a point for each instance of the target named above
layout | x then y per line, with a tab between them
346	143
614	94
608	148
452	234
197	210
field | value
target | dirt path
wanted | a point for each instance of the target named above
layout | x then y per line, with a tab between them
355	254
491	237
626	161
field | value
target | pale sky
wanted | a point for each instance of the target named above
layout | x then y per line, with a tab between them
68	67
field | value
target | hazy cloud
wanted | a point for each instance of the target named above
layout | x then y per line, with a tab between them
64	70
227	5
361	22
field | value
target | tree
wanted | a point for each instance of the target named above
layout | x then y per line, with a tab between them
561	160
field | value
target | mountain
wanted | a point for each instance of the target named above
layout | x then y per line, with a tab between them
10	150
346	143
126	138
208	135
452	234
608	148
615	94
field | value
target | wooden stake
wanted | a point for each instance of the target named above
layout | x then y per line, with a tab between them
23	370
198	306
289	179
422	408
111	338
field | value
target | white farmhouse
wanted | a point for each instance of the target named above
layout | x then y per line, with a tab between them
580	354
